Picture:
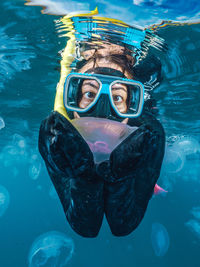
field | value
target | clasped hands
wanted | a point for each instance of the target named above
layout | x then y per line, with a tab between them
66	149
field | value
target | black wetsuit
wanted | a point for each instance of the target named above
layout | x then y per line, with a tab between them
120	187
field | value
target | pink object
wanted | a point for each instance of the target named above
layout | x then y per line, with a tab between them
102	135
99	146
159	190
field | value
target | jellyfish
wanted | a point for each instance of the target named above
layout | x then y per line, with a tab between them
35	167
194	227
173	161
102	135
196	212
34	171
4	200
194	224
52	249
15	152
187	145
159	239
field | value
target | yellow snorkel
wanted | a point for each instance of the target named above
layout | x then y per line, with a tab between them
67	58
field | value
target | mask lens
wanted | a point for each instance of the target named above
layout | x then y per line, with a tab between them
126	97
81	93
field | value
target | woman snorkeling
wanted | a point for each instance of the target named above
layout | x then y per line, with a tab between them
107	85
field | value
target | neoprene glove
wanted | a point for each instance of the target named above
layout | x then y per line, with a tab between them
64	148
145	145
131	174
128	156
70	164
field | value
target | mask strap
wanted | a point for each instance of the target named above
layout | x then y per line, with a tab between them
106	71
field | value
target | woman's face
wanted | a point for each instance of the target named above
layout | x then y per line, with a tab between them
90	89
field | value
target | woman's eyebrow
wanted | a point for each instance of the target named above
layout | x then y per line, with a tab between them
119	88
92	85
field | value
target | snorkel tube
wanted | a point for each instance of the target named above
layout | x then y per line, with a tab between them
68	56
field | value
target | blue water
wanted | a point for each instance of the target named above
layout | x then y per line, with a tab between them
33	228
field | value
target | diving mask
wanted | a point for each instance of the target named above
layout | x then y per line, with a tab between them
83	92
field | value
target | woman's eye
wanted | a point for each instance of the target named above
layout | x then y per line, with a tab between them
117	98
89	95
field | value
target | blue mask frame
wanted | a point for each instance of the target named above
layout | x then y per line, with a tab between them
105	82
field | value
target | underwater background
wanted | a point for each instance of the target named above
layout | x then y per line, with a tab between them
33	227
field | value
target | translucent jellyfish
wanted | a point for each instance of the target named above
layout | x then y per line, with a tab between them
35	167
194	227
8	154
15	154
2	123
102	135
52	249
12	155
196	212
173	161
159	239
187	145
34	171
194	224
4	199
19	142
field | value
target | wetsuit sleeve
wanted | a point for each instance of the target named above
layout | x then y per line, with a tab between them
135	166
70	165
